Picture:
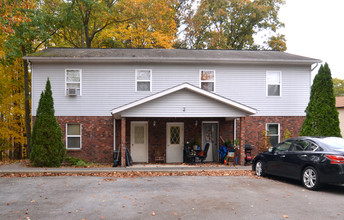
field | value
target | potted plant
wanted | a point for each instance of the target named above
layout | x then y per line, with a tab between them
236	143
197	143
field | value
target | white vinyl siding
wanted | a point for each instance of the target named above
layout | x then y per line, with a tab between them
73	81
273	83
183	103
143	80
107	86
73	136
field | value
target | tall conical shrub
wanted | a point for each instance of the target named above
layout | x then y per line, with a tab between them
47	137
321	113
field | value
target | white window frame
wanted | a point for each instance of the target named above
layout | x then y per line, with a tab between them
73	82
68	136
267	84
279	131
150	79
213	81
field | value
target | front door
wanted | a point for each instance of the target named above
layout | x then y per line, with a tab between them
139	142
210	135
175	142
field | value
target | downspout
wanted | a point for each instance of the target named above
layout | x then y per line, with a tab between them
114	134
235	125
315	67
310	83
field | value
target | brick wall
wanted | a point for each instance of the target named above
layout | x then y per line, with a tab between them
97	137
97	133
254	126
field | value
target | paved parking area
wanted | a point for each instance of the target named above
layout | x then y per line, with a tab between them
173	197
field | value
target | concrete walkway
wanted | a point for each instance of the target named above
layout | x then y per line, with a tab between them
21	168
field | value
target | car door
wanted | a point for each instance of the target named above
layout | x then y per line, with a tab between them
301	152
294	159
276	165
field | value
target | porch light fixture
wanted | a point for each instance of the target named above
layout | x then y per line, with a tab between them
196	123
154	123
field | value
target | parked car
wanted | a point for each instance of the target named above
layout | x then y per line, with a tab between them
313	160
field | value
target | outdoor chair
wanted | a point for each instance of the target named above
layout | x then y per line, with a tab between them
159	155
203	157
190	157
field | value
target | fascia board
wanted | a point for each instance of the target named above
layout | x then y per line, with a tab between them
168	60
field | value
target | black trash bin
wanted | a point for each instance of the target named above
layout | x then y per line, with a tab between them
116	158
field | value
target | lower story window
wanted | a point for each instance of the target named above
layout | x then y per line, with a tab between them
273	131
73	136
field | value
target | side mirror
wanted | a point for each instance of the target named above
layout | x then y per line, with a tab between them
271	149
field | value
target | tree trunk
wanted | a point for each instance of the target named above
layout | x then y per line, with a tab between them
27	104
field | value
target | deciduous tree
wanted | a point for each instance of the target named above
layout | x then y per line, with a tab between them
12	110
338	87
321	113
26	29
81	21
232	24
152	25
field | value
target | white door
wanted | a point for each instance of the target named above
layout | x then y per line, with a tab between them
175	142
210	135
139	142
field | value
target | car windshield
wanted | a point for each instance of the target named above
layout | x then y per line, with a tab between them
333	142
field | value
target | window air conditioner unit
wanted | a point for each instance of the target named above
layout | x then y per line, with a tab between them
71	92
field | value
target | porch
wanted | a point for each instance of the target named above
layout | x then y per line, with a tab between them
162	140
159	125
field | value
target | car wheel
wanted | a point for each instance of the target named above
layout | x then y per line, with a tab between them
259	168
310	178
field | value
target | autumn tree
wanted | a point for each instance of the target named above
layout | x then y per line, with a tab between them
338	87
232	24
115	24
321	113
47	137
81	21
152	25
12	114
27	29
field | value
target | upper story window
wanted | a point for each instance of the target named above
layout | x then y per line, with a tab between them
273	131
144	80
73	136
273	83
207	80
73	82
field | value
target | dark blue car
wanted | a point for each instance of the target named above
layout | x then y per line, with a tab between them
313	160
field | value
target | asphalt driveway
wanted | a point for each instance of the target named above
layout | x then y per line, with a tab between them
173	197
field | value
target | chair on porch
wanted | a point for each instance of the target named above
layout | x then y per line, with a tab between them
204	156
159	155
190	156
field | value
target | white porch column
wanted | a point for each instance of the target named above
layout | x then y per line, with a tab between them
114	135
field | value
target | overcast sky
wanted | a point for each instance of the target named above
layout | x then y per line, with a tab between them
315	28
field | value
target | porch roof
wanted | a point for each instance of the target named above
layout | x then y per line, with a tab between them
184	100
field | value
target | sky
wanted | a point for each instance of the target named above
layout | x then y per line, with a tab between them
315	28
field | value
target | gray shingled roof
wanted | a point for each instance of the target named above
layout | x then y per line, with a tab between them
169	55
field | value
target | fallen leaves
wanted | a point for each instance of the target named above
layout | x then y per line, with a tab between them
109	179
134	174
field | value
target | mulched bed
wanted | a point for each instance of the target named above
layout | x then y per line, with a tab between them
135	174
127	174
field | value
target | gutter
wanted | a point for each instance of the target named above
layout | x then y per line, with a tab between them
169	60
